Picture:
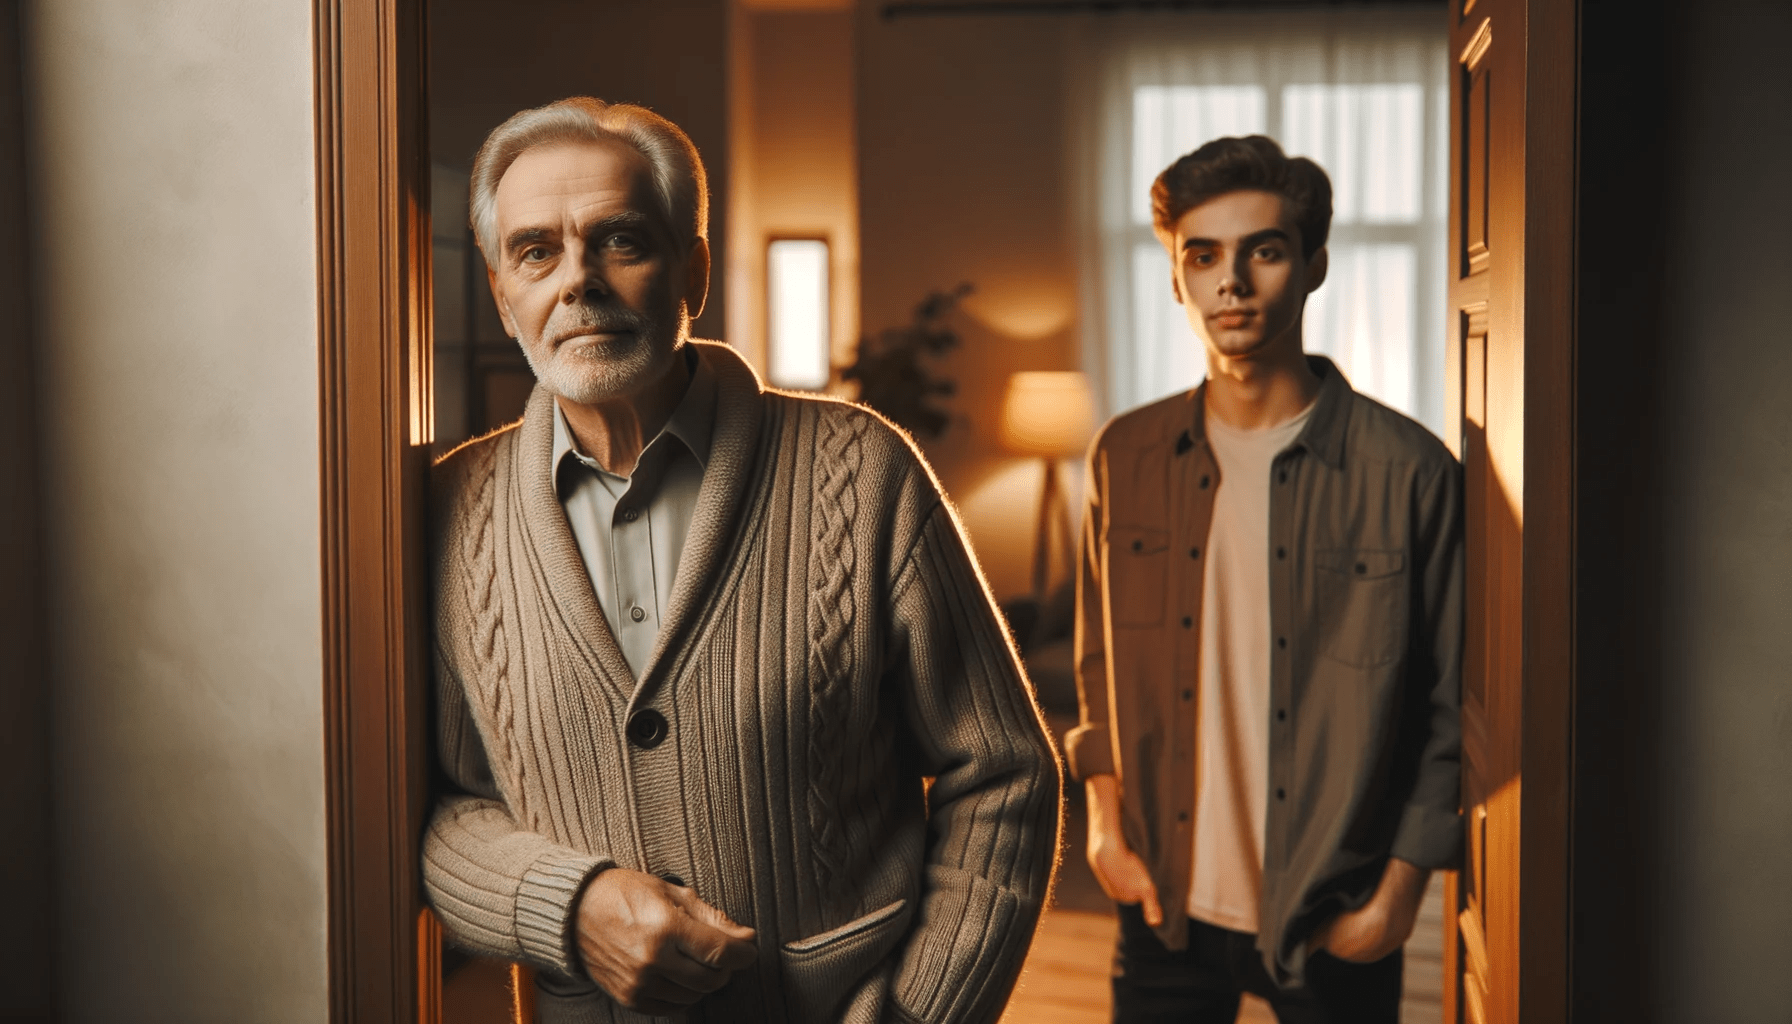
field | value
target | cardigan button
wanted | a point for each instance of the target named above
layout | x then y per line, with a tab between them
646	728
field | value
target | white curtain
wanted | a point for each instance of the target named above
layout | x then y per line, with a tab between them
1364	93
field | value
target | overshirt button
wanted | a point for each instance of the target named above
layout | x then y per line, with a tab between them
1181	815
1194	552
1282	641
637	613
1281	552
1188	695
1138	545
1361	568
1203	483
1281	714
1283	476
646	728
1281	794
1187	622
631	514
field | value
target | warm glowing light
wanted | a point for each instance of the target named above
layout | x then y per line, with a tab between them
1048	413
1025	310
796	271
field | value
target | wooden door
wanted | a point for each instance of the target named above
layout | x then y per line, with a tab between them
1510	342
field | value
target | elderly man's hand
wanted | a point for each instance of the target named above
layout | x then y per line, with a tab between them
654	946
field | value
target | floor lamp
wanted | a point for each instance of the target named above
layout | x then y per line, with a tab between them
1048	414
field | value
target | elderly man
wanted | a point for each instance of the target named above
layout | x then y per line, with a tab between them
699	646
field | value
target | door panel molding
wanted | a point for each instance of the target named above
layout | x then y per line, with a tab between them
1511	379
374	395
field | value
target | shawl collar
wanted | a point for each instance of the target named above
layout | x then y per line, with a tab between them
733	447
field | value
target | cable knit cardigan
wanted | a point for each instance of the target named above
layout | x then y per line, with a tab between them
829	647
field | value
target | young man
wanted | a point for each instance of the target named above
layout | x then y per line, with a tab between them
1268	639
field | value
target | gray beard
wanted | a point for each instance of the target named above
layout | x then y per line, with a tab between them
593	372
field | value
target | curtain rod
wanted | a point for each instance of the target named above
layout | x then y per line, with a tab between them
926	8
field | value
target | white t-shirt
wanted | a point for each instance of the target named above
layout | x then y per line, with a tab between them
1232	709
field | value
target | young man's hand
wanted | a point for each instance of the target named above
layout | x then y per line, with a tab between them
1119	871
1380	926
654	946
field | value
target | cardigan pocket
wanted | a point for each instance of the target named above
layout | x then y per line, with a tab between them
1362	605
820	970
1138	567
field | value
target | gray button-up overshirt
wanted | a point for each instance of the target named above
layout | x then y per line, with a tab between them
1365	564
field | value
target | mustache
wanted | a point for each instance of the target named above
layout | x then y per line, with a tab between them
585	318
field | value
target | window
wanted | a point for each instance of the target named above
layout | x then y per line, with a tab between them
1365	98
796	271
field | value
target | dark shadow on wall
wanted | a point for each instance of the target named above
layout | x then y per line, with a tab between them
27	973
1619	479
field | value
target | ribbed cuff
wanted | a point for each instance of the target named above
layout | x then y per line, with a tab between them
545	905
1089	750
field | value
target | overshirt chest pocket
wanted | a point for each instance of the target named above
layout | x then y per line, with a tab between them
1362	605
1138	566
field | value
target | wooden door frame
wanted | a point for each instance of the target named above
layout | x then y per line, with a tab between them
1537	922
375	424
1552	62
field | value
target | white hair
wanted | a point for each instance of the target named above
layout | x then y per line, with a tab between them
678	178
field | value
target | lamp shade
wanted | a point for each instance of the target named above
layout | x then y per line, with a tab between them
1048	413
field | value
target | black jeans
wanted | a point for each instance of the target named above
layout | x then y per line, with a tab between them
1204	983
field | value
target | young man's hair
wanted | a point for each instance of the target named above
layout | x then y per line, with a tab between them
1232	164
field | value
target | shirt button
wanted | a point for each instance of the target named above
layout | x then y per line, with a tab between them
1194	552
1282	476
629	515
1188	695
637	613
1187	623
1204	483
1282	642
1281	794
646	728
1181	815
1281	552
1281	714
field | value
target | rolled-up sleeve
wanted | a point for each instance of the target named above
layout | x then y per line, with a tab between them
1430	830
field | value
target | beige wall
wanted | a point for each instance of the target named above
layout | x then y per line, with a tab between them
963	177
178	364
1726	755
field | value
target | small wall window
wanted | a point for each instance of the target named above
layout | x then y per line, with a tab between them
796	278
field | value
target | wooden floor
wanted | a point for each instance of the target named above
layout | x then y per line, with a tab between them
1065	980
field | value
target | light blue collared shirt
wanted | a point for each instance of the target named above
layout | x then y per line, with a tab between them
631	530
